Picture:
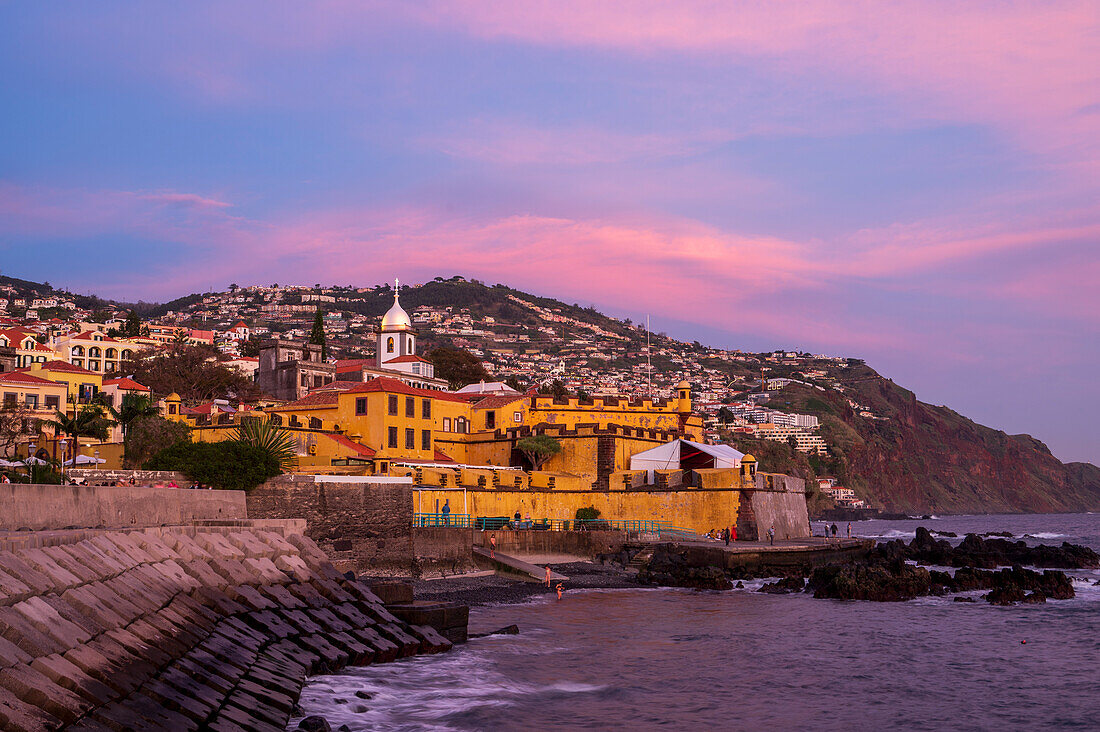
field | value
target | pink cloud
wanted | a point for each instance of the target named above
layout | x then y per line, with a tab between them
681	269
515	143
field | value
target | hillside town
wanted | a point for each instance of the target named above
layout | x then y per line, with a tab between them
528	345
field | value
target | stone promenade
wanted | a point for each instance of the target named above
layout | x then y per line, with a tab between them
179	628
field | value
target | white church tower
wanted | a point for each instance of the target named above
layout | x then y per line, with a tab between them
396	337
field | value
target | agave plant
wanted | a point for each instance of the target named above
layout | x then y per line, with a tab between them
266	435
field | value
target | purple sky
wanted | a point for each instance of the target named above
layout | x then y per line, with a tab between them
916	184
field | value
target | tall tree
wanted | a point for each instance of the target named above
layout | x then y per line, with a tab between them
538	449
193	372
317	335
146	436
91	421
132	407
457	366
14	424
132	327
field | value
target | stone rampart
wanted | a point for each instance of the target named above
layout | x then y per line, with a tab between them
362	526
780	501
50	507
181	628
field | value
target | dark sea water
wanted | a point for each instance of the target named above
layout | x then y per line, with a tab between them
679	659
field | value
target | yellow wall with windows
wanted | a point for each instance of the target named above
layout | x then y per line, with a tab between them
694	509
72	381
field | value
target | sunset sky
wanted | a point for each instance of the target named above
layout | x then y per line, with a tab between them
916	184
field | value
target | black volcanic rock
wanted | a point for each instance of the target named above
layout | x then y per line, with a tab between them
785	586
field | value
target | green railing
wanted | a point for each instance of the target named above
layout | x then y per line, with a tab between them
461	520
661	529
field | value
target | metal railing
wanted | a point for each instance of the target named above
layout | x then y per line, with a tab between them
460	520
658	529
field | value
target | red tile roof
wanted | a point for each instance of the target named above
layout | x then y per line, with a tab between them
16	377
406	359
393	386
87	336
441	458
63	366
495	402
326	398
351	444
125	383
343	366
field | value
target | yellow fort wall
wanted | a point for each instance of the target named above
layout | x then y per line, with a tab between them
695	509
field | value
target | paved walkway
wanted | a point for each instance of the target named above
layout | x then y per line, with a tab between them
511	564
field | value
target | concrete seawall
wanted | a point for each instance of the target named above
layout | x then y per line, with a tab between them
36	507
362	526
179	628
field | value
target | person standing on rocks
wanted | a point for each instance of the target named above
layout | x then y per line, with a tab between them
547	575
492	546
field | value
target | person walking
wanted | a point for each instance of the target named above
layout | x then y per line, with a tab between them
446	511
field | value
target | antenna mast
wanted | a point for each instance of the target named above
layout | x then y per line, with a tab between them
648	361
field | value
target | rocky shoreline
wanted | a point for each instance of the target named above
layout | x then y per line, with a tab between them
892	571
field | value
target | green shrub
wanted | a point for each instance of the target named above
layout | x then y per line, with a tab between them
228	465
588	513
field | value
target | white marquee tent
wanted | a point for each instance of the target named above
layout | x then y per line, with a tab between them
687	455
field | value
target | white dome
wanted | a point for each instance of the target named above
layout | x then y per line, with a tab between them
396	317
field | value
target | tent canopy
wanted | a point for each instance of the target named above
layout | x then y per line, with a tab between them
686	455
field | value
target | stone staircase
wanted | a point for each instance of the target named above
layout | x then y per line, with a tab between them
640	560
180	628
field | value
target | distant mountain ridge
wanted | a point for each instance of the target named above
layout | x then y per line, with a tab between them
910	456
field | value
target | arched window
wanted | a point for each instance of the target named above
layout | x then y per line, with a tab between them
78	350
112	353
93	352
125	353
389	345
410	345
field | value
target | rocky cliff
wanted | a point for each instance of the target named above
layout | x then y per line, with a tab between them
920	458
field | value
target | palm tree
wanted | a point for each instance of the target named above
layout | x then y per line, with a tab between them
133	406
266	435
91	421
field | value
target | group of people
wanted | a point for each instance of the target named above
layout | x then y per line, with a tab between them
831	531
726	534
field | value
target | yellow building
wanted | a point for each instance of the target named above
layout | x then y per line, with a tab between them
81	384
39	396
95	351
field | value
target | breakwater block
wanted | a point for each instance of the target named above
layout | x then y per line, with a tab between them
449	619
186	628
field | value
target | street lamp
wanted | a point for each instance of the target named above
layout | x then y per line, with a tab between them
31	450
64	442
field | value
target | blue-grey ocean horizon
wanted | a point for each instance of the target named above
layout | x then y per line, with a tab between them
679	659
